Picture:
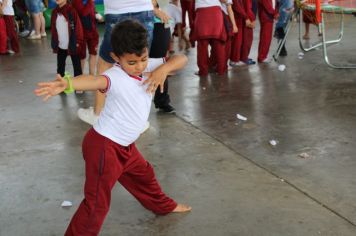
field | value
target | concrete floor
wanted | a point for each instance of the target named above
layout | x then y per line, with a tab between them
235	181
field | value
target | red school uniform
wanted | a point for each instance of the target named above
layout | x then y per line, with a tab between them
209	29
76	40
3	36
240	17
247	37
86	12
267	11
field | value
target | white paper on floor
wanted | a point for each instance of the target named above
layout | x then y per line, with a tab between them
66	204
273	142
241	117
304	155
300	55
281	67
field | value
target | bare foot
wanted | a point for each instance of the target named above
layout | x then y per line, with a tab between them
182	208
306	36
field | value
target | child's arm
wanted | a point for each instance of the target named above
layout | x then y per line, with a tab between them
160	14
81	82
2	6
158	76
180	36
232	18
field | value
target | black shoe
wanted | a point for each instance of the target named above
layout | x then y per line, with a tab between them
279	33
283	52
167	109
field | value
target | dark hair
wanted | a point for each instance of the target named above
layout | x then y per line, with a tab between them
129	36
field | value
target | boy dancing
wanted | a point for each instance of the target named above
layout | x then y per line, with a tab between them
109	150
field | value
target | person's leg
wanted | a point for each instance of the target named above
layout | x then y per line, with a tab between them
159	48
140	180
93	43
61	61
184	6
83	54
246	43
37	23
102	169
43	25
306	34
162	100
219	48
202	56
11	33
92	63
236	41
77	67
265	40
3	38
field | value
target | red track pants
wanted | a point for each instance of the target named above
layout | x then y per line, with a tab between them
3	36
218	49
236	41
107	162
265	39
11	33
246	43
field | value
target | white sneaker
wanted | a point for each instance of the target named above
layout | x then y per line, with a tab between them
24	33
10	51
32	33
147	126
240	63
267	60
44	35
87	115
35	36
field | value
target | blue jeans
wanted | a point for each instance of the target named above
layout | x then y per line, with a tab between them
284	13
34	6
144	17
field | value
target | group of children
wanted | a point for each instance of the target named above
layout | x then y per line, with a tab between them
73	28
9	42
227	25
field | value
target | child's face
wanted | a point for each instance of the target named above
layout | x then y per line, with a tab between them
131	63
61	3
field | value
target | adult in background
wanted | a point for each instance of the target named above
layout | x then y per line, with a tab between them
117	11
36	7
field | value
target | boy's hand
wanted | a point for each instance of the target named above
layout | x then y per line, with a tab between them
52	88
162	15
235	29
154	79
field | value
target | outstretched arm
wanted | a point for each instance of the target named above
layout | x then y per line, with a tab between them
158	76
82	82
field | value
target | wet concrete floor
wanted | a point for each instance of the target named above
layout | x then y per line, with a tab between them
236	182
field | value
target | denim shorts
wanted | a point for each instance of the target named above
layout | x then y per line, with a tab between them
34	6
144	17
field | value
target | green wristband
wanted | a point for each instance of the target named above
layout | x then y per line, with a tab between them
69	88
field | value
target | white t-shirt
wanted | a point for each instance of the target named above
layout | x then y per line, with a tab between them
8	9
175	13
63	34
127	105
127	6
206	3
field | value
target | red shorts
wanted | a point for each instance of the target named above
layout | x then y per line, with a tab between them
92	42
